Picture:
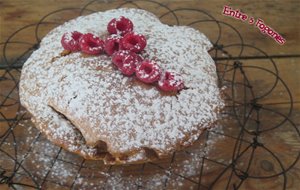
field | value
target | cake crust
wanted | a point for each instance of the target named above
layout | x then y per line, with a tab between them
83	104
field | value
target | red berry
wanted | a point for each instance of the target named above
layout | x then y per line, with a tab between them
171	81
148	71
133	42
91	44
111	44
70	41
120	26
126	61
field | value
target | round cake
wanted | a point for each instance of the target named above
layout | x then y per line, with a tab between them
87	106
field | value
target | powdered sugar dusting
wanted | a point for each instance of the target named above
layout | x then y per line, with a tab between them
102	104
64	168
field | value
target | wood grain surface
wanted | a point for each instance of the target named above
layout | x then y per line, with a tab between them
282	16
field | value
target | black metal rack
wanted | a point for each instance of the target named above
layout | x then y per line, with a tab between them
28	160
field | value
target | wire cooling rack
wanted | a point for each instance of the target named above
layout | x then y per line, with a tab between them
244	151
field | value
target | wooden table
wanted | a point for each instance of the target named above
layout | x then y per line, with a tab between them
284	141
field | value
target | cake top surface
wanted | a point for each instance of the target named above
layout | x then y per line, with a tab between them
76	94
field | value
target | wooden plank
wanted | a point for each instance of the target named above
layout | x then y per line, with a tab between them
279	79
22	13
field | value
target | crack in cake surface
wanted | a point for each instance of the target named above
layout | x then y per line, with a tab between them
64	117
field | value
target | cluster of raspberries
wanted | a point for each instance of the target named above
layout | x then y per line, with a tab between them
124	46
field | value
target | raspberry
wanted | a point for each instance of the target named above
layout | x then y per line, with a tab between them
91	44
111	44
120	26
133	42
126	61
70	41
148	71
171	81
